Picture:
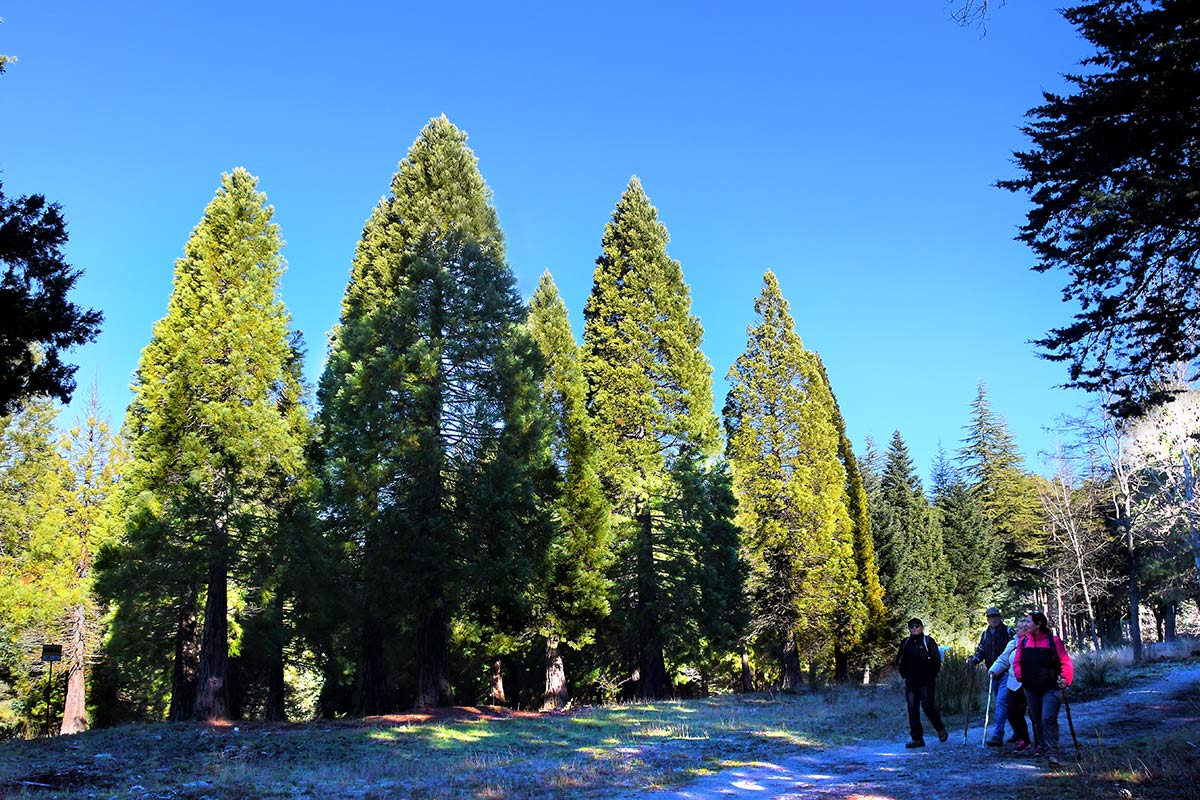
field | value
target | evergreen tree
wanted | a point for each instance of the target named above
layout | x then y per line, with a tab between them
578	589
435	450
791	484
650	397
970	543
216	435
912	557
876	640
1007	494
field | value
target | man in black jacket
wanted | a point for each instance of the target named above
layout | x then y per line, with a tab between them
992	641
918	662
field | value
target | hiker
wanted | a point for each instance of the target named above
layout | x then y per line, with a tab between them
1001	670
992	641
919	661
1041	664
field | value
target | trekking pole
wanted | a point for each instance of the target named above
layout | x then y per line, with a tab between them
987	713
970	698
1071	725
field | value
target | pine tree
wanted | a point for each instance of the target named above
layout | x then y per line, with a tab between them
791	484
1007	494
912	557
216	433
650	397
435	437
578	588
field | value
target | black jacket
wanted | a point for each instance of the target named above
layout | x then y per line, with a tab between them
992	644
918	660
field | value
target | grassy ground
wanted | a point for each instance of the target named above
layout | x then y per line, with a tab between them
588	753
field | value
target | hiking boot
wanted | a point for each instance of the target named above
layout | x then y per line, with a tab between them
943	735
915	743
1038	751
1052	760
1022	746
1013	738
994	742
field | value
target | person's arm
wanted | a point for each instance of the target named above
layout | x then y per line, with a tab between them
900	661
1001	664
1016	662
1067	669
937	656
978	655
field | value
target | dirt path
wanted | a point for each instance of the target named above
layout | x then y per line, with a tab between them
885	770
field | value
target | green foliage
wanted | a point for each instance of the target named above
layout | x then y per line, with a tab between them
650	399
1007	494
37	321
971	545
785	447
217	433
1115	201
437	466
909	545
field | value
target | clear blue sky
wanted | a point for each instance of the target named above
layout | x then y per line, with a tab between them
849	147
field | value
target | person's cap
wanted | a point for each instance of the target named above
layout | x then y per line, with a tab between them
992	612
914	622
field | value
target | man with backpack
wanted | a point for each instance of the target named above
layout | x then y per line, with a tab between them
992	642
918	662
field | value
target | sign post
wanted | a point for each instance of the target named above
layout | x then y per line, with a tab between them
50	654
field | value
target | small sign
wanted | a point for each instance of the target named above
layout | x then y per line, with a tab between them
52	652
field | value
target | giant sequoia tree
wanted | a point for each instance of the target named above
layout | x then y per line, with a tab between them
650	397
1116	197
435	436
577	589
791	486
216	434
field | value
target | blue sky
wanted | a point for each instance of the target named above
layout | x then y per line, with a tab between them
849	147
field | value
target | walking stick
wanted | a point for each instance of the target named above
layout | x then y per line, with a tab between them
988	712
1071	724
970	698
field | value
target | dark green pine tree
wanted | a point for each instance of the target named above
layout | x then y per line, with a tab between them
790	481
216	435
650	398
577	591
970	543
435	438
1007	494
913	564
873	647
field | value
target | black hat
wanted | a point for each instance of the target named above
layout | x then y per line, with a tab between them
914	622
992	612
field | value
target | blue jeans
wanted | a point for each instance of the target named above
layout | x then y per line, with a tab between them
1043	712
1001	693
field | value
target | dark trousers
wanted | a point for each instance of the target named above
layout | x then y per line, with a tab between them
1043	713
1016	714
921	697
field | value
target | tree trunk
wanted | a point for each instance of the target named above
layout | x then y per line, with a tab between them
75	709
841	665
183	677
496	684
1172	613
1135	607
433	688
555	697
791	663
212	689
276	710
747	676
373	695
652	666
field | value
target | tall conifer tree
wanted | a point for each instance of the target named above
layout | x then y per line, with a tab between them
216	433
909	542
435	438
577	587
791	485
970	543
1007	494
650	397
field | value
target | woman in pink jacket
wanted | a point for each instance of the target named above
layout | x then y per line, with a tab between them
1041	664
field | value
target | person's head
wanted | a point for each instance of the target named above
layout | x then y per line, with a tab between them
993	617
1041	625
1024	624
915	627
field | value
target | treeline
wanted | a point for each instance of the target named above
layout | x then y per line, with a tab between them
478	508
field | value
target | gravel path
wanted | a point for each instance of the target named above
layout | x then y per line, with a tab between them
954	770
